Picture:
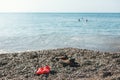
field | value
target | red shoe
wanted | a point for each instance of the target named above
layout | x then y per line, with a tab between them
43	70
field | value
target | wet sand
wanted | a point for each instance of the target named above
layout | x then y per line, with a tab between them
91	65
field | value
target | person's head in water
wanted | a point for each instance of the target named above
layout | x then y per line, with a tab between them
79	20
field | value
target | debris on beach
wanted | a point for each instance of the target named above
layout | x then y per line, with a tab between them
65	61
43	70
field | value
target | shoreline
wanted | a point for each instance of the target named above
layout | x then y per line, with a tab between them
11	52
92	65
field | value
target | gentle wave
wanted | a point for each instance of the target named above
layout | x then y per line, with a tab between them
21	32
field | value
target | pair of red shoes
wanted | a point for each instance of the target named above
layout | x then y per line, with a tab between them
43	70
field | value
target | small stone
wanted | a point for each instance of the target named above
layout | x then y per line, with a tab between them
106	74
34	55
3	62
87	62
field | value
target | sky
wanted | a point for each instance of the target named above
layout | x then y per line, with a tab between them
59	5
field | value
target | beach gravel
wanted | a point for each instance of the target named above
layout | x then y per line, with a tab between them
89	65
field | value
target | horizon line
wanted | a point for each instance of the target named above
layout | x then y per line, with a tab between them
57	12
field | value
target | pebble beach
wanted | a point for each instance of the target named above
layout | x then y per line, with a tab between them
92	65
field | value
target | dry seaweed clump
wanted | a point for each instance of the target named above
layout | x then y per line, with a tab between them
65	63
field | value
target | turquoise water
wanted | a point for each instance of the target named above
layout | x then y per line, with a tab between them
36	31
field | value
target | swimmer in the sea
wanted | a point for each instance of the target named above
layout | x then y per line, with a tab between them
79	20
86	20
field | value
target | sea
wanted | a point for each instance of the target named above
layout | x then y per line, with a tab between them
39	31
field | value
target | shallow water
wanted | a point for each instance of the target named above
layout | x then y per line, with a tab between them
35	31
